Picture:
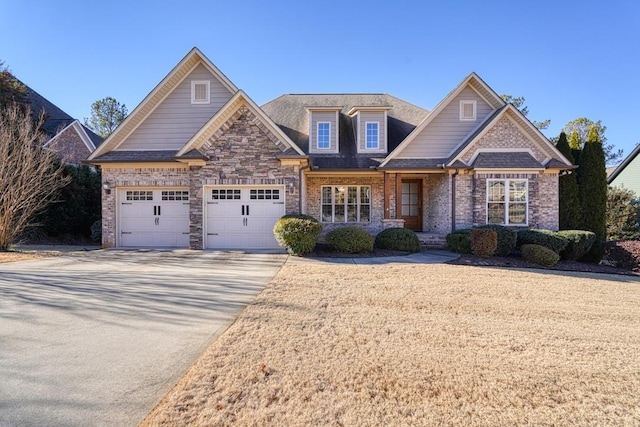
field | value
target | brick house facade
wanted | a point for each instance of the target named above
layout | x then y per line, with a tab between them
217	172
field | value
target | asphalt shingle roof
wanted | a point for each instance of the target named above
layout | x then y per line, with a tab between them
511	160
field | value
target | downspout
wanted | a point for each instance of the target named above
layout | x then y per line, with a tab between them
453	199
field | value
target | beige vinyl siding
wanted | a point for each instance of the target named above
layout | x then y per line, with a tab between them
446	131
629	177
323	116
176	119
372	116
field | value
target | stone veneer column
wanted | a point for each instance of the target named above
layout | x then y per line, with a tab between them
196	220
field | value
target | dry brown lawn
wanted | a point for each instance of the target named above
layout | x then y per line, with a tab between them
401	345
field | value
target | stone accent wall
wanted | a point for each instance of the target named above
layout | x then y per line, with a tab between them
119	178
242	152
70	147
436	199
314	200
505	134
543	198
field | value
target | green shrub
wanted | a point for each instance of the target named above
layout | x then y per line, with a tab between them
507	238
460	241
547	238
540	255
350	240
579	243
623	254
484	242
297	233
398	239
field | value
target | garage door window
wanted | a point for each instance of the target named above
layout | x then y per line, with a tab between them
264	194
139	195
225	194
175	195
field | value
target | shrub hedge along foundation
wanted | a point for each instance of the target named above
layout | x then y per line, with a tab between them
484	242
398	239
350	240
539	255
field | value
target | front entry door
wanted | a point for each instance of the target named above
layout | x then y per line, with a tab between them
411	204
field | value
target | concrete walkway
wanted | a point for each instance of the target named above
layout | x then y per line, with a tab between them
430	256
98	338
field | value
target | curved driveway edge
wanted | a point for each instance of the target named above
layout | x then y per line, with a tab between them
99	338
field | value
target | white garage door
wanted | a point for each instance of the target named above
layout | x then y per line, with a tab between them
154	217
243	217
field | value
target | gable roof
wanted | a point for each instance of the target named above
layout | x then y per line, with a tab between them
289	112
89	138
473	81
55	118
218	119
158	94
623	164
528	129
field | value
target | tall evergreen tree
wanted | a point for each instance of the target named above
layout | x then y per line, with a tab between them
592	190
570	213
576	147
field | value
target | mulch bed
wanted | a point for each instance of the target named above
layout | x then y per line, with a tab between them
517	262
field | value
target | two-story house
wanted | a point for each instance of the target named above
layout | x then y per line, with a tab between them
198	164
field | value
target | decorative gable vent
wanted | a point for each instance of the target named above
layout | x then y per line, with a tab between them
200	91
467	110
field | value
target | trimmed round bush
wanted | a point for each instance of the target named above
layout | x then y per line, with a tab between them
625	254
547	238
579	243
460	241
398	239
507	238
483	242
350	240
298	233
539	255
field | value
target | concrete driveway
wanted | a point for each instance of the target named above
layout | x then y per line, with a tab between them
98	338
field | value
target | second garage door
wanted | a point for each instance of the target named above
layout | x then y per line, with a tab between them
243	217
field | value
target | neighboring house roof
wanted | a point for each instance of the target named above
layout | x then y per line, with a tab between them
632	155
55	118
289	112
90	139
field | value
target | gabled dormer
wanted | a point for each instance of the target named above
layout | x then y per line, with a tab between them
324	129
370	126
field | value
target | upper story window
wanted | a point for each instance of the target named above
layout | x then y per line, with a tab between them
324	135
372	135
200	90
467	110
507	202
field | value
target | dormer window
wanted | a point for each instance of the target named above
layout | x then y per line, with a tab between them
467	110
200	90
372	135
324	135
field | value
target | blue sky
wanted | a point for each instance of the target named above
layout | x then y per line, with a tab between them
567	58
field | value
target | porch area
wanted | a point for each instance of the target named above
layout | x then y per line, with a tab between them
432	240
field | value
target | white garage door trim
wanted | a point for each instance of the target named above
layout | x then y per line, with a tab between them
242	216
153	217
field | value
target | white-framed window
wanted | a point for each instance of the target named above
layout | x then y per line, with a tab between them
200	90
264	194
139	195
507	201
225	194
175	195
323	136
467	110
372	134
346	203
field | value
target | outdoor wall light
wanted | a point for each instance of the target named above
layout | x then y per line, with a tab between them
291	186
107	187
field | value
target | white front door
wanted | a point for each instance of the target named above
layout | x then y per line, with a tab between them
243	217
153	217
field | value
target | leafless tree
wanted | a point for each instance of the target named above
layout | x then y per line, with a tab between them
30	175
